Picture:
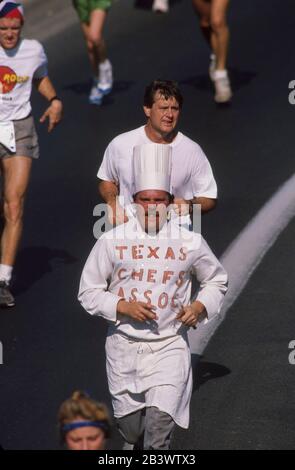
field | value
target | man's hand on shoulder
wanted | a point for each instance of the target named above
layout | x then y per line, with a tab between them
181	206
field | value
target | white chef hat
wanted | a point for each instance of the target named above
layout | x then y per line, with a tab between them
152	165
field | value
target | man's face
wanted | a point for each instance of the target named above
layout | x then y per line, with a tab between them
152	209
87	438
10	30
163	115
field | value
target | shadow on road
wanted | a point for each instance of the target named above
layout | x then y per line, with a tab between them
204	371
83	88
36	261
238	78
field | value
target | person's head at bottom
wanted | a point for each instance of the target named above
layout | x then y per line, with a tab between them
84	424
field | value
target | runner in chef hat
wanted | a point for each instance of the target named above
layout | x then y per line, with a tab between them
11	9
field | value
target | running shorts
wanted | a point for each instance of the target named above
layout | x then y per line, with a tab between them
26	140
85	7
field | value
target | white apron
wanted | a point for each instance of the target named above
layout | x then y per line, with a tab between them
149	373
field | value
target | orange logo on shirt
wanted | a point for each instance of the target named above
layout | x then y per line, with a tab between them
8	79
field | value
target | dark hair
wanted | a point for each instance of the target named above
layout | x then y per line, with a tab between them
167	88
171	197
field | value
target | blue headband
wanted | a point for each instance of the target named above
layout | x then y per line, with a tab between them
82	424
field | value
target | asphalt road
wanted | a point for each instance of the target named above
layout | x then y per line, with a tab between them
244	384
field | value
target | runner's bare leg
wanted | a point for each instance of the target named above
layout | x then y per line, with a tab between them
16	175
94	40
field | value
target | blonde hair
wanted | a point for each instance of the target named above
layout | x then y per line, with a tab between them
80	405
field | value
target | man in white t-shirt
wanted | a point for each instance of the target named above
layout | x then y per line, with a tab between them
192	178
22	63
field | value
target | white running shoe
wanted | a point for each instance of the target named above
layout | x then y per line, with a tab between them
95	95
223	92
161	6
105	77
212	67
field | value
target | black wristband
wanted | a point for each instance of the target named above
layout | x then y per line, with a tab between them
54	98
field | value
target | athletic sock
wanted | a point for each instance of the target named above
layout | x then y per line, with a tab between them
220	74
5	272
104	65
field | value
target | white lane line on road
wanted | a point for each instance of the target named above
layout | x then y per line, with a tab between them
246	252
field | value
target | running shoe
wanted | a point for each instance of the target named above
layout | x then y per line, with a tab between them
96	95
212	67
223	92
161	6
105	77
6	297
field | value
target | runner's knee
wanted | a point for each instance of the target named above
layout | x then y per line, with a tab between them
90	45
217	23
13	210
204	22
95	38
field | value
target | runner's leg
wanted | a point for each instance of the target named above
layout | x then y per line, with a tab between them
158	429
220	32
16	175
94	41
131	426
203	10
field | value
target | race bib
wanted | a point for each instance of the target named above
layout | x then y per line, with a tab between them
7	135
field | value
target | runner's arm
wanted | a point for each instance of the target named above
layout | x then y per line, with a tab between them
109	193
207	204
54	111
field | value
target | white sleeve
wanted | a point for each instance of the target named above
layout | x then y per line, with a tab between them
93	291
108	169
212	278
42	69
203	181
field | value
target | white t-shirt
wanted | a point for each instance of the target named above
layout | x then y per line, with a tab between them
191	171
18	67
